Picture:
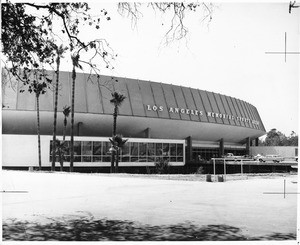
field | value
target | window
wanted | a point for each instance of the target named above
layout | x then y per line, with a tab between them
173	149
125	153
143	152
165	151
97	148
151	149
86	158
179	149
134	151
151	152
77	148
204	153
87	151
142	149
106	155
97	159
98	151
236	152
87	148
158	149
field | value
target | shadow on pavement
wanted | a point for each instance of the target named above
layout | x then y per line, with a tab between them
115	230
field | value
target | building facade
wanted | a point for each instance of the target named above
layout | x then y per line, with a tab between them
161	120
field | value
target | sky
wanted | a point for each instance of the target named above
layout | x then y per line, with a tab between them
226	55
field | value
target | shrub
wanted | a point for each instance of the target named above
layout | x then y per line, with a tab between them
162	166
200	170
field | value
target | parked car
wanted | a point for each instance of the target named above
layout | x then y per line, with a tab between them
257	157
269	158
231	156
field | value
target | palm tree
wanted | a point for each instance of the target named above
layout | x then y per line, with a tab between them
38	89
37	96
59	52
117	100
66	112
119	143
75	63
61	145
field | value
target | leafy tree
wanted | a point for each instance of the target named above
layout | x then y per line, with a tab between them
26	62
35	27
117	100
19	27
276	138
292	139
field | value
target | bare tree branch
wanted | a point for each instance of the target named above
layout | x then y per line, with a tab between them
177	28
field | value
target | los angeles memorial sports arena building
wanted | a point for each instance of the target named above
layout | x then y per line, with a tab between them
177	123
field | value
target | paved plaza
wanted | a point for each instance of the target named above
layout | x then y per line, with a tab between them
254	206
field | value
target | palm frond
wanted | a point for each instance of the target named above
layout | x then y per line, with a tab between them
119	141
66	111
117	98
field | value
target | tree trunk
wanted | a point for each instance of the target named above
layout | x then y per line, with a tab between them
72	119
112	163
64	130
117	161
61	160
55	115
115	120
62	152
38	131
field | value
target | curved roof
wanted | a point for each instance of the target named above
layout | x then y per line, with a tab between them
167	109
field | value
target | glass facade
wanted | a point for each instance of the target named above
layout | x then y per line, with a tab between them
200	153
236	152
204	153
98	151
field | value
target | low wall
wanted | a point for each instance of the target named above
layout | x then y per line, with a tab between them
285	151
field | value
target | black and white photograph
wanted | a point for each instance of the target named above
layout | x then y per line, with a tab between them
150	121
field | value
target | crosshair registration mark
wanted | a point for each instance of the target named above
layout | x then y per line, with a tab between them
285	49
4	191
284	192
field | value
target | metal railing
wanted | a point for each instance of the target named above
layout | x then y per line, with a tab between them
224	162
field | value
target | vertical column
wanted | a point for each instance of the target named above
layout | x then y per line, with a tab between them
189	149
256	142
147	133
79	124
221	147
248	146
